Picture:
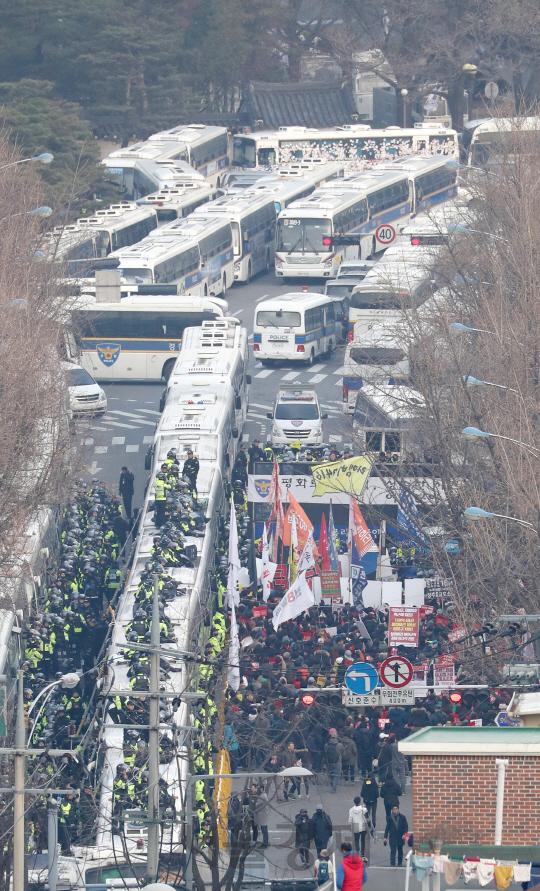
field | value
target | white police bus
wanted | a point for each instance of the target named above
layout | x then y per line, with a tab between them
215	238
175	202
353	219
297	326
252	218
77	245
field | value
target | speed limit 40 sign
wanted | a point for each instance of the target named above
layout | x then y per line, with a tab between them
385	234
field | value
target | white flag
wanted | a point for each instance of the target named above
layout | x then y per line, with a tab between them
307	559
233	597
233	671
268	568
298	598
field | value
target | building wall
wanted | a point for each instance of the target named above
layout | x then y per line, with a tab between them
455	796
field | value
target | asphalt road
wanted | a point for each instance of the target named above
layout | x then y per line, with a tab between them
123	434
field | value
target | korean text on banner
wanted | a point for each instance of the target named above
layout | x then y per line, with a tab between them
350	475
298	598
403	626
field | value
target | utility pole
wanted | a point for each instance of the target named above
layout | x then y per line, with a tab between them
18	804
52	843
153	746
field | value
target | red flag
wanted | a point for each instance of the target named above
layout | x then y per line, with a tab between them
358	529
323	545
303	524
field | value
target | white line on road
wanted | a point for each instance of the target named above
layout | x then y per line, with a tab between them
335	438
317	378
126	414
118	440
131	400
89	442
101	450
101	429
290	376
258	416
118	424
265	373
258	405
132	448
148	439
340	370
148	411
338	383
317	367
94	468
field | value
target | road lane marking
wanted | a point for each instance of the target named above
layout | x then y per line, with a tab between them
148	439
118	440
290	376
132	448
265	373
118	424
149	411
101	450
317	378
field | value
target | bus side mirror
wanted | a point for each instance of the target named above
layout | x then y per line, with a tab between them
324	417
248	379
148	459
269	415
238	403
227	460
235	432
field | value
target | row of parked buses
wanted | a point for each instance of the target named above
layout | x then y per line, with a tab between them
203	409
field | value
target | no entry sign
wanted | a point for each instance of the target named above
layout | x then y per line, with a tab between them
396	672
385	234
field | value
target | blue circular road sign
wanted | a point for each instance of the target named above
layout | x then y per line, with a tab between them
361	677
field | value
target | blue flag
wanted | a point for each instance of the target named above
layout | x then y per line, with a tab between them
358	576
332	549
408	518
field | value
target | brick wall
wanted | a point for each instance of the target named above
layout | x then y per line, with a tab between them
459	793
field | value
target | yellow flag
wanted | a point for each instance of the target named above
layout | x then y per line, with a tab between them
348	476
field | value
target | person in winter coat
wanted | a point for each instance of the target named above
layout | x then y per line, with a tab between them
419	717
260	812
397	765
303	840
333	755
352	871
234	816
384	760
364	746
359	825
390	792
370	795
350	755
321	829
396	827
323	869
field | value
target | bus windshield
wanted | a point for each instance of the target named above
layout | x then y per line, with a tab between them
303	235
135	276
243	152
278	318
296	411
375	300
340	290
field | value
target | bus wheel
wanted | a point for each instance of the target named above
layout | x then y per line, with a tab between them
248	279
167	369
267	267
224	283
311	359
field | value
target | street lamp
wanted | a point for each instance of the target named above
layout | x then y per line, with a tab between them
471	381
458	326
404	94
477	513
473	433
44	158
38	211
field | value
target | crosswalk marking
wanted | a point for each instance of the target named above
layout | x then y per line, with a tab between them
317	378
290	376
258	416
101	450
118	424
265	373
148	411
148	439
258	405
340	370
118	440
317	367
89	441
132	448
126	414
101	429
335	438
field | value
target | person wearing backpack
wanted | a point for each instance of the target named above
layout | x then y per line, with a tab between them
333	755
323	870
359	825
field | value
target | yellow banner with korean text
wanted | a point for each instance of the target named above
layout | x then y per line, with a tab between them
348	476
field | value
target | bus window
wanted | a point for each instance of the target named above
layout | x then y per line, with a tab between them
243	152
373	441
266	157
